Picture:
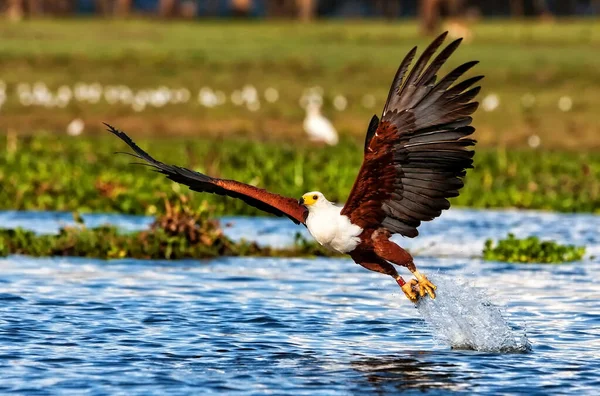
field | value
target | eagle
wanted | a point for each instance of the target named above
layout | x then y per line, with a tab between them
415	158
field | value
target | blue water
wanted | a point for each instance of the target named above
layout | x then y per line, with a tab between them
296	326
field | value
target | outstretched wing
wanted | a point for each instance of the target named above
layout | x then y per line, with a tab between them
417	154
257	197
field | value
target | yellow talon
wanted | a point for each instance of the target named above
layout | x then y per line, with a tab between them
409	291
425	286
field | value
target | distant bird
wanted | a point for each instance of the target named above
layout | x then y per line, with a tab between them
319	128
414	160
565	103
490	102
75	127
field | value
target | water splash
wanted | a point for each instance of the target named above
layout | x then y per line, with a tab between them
464	318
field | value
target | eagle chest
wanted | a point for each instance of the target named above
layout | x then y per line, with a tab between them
334	231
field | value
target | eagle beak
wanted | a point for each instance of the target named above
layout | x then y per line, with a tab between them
301	201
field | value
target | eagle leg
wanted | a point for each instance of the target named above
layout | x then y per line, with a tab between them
388	250
371	262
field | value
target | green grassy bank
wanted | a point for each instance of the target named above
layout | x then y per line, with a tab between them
545	61
47	172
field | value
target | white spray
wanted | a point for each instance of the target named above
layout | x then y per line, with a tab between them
464	318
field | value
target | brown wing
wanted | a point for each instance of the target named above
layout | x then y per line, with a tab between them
417	154
253	196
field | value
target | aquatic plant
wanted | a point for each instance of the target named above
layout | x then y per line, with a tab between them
531	250
3	248
47	172
180	232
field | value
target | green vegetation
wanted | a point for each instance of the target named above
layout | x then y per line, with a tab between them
47	172
182	232
546	60
179	233
531	250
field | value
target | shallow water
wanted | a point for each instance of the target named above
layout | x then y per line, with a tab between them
295	326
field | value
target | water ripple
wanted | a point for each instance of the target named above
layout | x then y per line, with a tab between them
295	326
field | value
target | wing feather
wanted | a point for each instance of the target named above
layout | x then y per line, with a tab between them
371	130
396	85
416	158
253	196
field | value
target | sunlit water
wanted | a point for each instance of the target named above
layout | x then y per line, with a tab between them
301	326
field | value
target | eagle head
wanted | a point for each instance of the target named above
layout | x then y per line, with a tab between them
312	199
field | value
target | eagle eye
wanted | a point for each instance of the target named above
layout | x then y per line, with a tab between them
315	197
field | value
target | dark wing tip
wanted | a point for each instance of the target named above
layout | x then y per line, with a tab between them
453	46
441	37
434	45
112	129
139	153
120	134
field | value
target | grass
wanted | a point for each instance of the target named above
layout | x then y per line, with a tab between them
48	172
349	58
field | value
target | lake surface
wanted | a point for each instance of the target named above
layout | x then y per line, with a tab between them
296	326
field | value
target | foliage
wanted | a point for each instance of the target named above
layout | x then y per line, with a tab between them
179	233
531	250
48	172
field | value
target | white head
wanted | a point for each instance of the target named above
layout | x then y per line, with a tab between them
314	200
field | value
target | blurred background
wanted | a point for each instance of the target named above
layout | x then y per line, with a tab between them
279	93
299	9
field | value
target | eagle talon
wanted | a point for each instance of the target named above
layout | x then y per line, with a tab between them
409	290
425	285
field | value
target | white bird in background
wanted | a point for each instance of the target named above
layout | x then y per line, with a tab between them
75	127
319	128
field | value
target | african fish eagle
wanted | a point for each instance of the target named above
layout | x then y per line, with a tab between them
415	157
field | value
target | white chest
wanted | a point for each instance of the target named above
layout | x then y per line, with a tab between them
333	230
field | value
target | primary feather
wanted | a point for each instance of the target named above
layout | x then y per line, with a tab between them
418	152
196	181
